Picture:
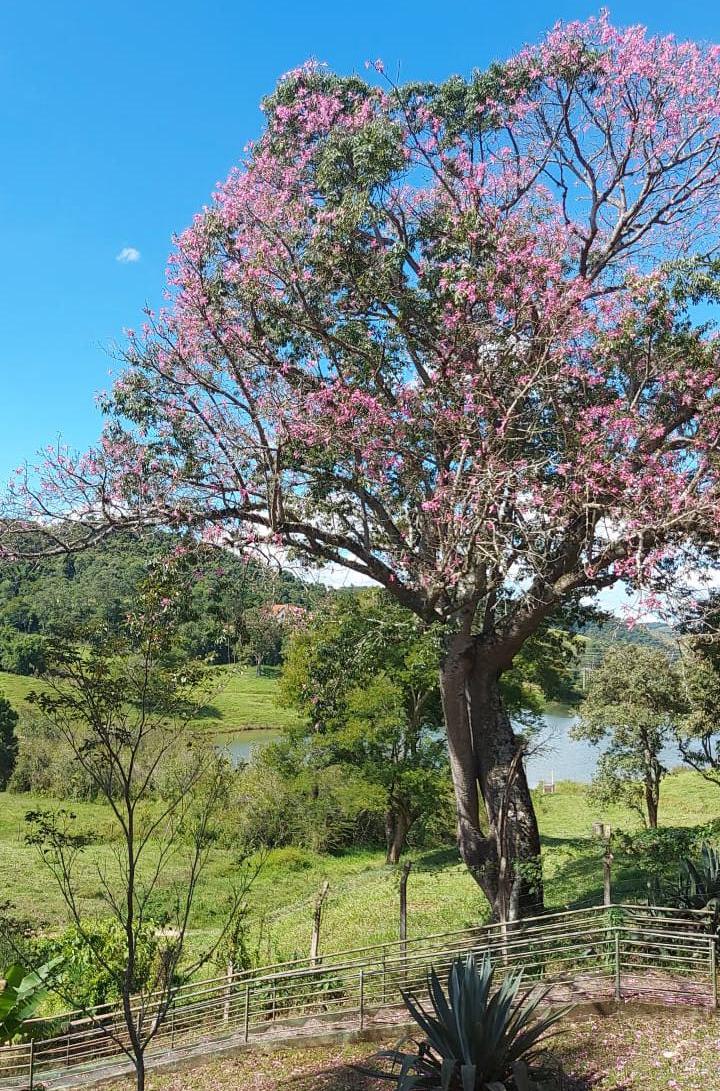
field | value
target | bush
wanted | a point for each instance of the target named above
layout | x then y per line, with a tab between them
8	741
45	765
22	653
93	963
278	803
662	855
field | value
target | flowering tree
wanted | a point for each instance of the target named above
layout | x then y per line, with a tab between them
445	336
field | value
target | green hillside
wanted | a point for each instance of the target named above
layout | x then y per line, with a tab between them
16	688
240	700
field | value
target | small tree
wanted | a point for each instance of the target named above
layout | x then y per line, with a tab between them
365	675
123	708
632	702
263	636
8	741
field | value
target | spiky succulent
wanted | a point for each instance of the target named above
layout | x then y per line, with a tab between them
477	1037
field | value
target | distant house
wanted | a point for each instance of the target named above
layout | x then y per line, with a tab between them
285	613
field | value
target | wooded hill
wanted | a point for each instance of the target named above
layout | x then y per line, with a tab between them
95	588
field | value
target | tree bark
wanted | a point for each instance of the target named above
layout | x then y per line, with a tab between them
487	769
651	803
397	828
139	1072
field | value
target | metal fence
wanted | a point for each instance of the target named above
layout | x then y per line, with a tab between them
619	952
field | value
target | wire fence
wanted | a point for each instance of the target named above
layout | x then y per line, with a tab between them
619	952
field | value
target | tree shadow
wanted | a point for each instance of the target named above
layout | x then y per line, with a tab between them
207	712
345	1077
438	858
572	1058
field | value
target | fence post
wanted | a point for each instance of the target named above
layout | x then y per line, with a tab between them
317	919
247	1011
172	1025
362	999
229	973
384	974
618	990
32	1063
713	971
607	876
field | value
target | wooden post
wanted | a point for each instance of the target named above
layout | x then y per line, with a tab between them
317	918
603	830
32	1064
403	914
228	992
172	1025
247	1011
362	999
403	904
607	876
713	971
618	989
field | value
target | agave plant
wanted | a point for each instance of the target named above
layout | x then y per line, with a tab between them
477	1038
697	885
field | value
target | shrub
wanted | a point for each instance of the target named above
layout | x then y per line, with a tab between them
8	741
22	653
94	958
45	765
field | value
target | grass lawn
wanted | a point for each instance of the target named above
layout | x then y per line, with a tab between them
362	906
15	687
243	700
240	700
626	1051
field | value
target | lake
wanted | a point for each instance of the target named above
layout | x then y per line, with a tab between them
560	757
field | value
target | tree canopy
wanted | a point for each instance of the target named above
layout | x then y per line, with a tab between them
365	675
444	335
633	704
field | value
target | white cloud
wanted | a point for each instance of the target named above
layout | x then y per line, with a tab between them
128	255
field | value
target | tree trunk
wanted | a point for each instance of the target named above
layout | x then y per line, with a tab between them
397	828
140	1071
651	802
486	765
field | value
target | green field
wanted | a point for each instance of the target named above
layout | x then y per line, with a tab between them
16	688
362	907
240	700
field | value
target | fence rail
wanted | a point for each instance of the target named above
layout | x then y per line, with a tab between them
620	951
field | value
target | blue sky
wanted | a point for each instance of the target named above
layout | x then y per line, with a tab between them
118	119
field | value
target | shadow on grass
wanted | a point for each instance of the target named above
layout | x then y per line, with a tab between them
340	1078
350	1078
207	712
572	1059
438	858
